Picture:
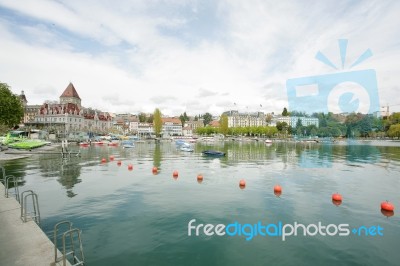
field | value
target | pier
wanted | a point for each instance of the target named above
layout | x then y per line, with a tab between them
22	243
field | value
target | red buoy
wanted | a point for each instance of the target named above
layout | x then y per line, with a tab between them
130	167
387	206
337	197
119	163
112	157
200	177
175	173
242	183
278	189
103	160
154	170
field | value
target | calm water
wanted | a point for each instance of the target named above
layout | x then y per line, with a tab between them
137	218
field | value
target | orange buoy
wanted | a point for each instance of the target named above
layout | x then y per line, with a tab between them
336	202
337	197
278	189
112	157
387	206
242	183
119	163
154	170
130	167
200	177
103	160
175	173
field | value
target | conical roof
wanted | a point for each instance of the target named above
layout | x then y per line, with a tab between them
70	91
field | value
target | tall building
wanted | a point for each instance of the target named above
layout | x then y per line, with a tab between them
236	119
69	116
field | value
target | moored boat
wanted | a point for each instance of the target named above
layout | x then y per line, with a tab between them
213	153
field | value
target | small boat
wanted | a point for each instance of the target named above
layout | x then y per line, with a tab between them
84	144
268	141
213	153
126	144
114	144
186	147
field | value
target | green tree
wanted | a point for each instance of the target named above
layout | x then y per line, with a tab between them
299	124
142	117
183	117
223	124
157	122
207	118
285	112
11	109
150	119
281	125
394	131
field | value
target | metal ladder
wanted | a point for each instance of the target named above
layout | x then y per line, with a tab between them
35	214
14	180
70	232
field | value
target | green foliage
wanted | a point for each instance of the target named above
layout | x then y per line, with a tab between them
11	109
157	122
207	130
223	124
150	119
142	117
207	118
285	112
394	131
183	117
281	126
299	124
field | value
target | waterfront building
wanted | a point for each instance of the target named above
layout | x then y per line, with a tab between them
236	119
292	120
68	116
171	126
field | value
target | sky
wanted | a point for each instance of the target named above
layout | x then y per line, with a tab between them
191	56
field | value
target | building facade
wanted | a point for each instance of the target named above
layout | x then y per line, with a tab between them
69	116
236	119
292	120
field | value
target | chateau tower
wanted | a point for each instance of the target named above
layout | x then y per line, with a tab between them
70	95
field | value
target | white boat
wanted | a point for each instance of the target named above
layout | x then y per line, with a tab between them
268	141
186	147
126	144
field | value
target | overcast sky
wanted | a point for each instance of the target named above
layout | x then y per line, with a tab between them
193	56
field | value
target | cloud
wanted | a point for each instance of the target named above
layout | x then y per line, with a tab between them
127	57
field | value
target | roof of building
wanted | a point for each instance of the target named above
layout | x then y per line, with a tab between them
70	91
171	120
214	123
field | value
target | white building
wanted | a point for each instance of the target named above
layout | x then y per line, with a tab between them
292	120
236	119
171	126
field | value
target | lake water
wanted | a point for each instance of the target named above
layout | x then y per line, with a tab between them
138	218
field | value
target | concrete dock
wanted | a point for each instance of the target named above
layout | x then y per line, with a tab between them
22	244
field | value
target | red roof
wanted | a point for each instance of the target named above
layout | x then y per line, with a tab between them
70	91
59	108
171	120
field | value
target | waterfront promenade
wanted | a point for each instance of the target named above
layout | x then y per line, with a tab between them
22	244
